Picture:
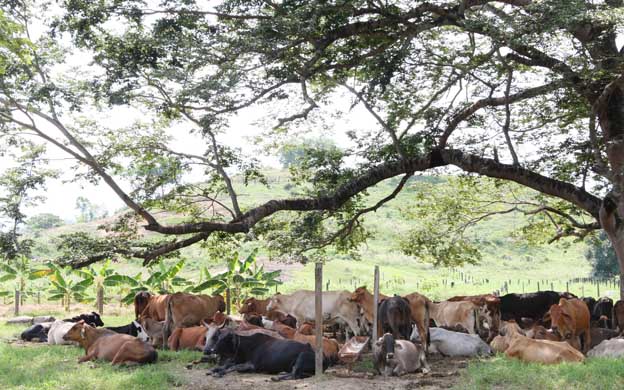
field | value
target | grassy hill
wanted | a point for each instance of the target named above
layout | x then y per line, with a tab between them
506	259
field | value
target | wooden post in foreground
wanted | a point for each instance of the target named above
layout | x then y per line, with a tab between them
228	301
375	334
318	299
17	302
100	300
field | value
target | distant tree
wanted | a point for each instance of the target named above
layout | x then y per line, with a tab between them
295	152
602	257
88	211
44	221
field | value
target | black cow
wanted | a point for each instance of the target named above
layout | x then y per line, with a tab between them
603	307
37	331
133	329
395	316
590	302
262	353
530	305
92	319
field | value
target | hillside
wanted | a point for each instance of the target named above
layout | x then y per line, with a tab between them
505	258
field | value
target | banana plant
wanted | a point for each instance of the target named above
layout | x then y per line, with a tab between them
100	277
22	272
65	287
243	278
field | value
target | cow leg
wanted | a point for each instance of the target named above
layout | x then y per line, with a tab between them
299	368
586	340
89	356
242	367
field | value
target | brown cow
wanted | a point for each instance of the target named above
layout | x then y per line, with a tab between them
193	338
490	309
185	310
330	346
570	319
501	343
618	317
538	332
154	306
253	305
283	329
116	348
284	318
451	314
254	319
364	299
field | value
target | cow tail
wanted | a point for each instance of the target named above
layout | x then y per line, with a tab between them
168	322
139	304
477	328
427	337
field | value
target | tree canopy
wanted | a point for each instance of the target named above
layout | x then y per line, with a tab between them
519	90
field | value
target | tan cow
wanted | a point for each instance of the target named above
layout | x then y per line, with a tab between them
501	343
452	314
253	305
337	307
570	319
116	348
153	306
489	309
185	310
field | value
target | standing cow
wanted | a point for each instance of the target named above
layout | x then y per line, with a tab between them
570	319
395	317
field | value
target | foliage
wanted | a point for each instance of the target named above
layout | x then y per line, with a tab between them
161	280
65	286
44	221
88	211
602	258
243	278
22	272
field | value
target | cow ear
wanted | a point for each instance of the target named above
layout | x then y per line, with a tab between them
81	322
398	346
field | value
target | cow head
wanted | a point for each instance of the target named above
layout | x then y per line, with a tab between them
562	322
306	329
213	331
225	346
77	332
275	303
95	319
383	354
248	306
359	294
141	333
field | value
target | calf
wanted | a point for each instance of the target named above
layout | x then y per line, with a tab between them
449	343
193	338
395	317
154	330
570	319
261	353
398	357
38	332
133	329
106	345
92	319
253	305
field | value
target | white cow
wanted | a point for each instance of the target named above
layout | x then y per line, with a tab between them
449	343
58	329
608	348
336	307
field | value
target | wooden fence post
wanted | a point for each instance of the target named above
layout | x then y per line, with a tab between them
100	299
318	300
227	301
17	302
567	287
38	298
598	290
375	334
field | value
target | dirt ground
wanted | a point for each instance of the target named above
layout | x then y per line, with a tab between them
445	373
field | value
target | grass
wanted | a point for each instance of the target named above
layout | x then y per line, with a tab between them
503	373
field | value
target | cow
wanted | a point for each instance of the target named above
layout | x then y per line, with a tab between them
184	310
365	301
603	312
254	319
570	319
489	309
153	306
501	343
264	354
613	348
37	332
618	317
449	343
114	347
58	329
395	317
330	346
451	314
419	307
133	329
531	305
154	330
283	329
92	319
538	332
598	335
193	338
213	330
336	307
253	305
284	318
541	351
398	357
590	302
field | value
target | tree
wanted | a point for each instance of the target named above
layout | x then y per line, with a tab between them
519	90
44	221
602	257
88	211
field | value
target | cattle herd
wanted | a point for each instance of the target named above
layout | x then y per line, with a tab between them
276	335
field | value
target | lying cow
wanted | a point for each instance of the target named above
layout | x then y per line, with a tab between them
538	351
193	338
133	329
449	343
452	314
284	318
184	310
395	317
264	354
92	319
613	348
336	307
116	348
37	332
153	306
58	329
501	343
570	319
154	330
398	357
